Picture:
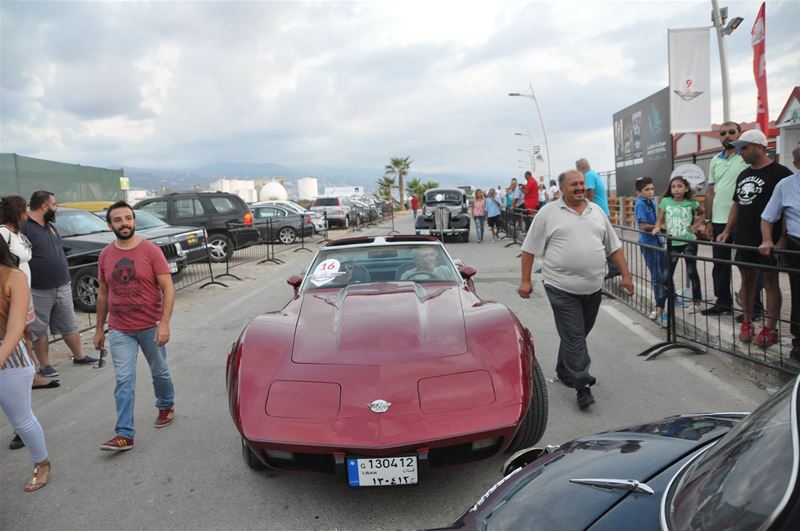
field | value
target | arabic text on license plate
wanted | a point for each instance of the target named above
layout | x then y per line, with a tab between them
382	471
173	267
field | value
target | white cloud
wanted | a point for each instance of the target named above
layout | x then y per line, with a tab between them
169	84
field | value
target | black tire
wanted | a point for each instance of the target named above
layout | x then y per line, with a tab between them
250	459
287	235
535	421
465	237
220	247
347	221
84	288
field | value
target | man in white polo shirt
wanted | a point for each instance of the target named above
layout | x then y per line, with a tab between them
575	238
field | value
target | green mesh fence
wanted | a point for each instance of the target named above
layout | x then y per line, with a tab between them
69	182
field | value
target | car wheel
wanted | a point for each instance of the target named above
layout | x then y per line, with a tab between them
287	235
250	458
219	247
347	221
84	288
535	421
465	237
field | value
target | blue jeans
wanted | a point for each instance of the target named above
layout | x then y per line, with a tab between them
479	226
124	351
657	264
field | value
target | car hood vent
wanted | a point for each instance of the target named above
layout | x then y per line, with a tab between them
380	324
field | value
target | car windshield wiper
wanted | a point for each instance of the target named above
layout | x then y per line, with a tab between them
630	485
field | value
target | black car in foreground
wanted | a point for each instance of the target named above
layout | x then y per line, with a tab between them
717	471
84	235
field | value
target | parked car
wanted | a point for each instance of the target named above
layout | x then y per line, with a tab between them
444	213
337	210
280	223
84	236
191	240
226	218
710	471
366	211
317	219
409	384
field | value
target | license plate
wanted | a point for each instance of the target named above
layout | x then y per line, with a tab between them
382	471
191	240
173	267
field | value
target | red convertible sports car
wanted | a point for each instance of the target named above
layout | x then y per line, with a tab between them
383	365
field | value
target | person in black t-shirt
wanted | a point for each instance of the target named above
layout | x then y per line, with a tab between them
754	187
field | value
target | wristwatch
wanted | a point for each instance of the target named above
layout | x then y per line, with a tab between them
706	221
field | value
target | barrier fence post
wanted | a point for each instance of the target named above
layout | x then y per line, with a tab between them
325	237
270	242
233	245
303	221
213	281
513	217
391	214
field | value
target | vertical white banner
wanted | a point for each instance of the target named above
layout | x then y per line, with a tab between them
689	80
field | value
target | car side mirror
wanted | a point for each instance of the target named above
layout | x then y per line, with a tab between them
467	272
295	281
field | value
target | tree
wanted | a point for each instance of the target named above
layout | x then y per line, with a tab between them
385	185
398	167
418	188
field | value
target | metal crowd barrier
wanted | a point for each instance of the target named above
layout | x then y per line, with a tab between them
685	326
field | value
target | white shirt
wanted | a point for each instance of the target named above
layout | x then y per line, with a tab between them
19	246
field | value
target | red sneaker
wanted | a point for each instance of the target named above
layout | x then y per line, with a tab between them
747	331
117	444
768	336
164	417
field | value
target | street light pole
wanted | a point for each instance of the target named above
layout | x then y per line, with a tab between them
718	17
532	96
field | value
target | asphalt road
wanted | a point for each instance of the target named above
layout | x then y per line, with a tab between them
191	474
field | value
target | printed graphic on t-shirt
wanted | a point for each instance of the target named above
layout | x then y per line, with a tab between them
750	188
678	219
124	275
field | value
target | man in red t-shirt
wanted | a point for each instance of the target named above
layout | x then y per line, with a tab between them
531	188
137	296
414	205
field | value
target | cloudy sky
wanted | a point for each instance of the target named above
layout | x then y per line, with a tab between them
181	84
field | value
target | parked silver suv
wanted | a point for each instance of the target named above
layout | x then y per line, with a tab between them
338	210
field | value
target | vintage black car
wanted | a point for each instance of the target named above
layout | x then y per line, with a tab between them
444	213
84	236
728	471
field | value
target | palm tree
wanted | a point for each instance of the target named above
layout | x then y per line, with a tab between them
418	188
398	167
385	185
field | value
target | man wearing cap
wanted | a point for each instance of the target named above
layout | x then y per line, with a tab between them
722	174
785	202
754	188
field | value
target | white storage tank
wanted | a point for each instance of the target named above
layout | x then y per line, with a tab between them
273	191
307	188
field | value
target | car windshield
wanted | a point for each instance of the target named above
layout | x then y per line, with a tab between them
743	481
326	201
146	220
78	222
443	196
337	267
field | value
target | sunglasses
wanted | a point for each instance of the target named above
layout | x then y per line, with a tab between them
728	132
102	361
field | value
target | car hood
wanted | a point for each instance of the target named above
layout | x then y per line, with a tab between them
535	496
380	323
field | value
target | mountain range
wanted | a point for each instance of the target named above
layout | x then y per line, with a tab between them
187	179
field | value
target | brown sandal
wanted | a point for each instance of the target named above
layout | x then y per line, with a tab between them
35	483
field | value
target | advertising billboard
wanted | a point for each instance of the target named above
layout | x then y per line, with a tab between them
642	143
